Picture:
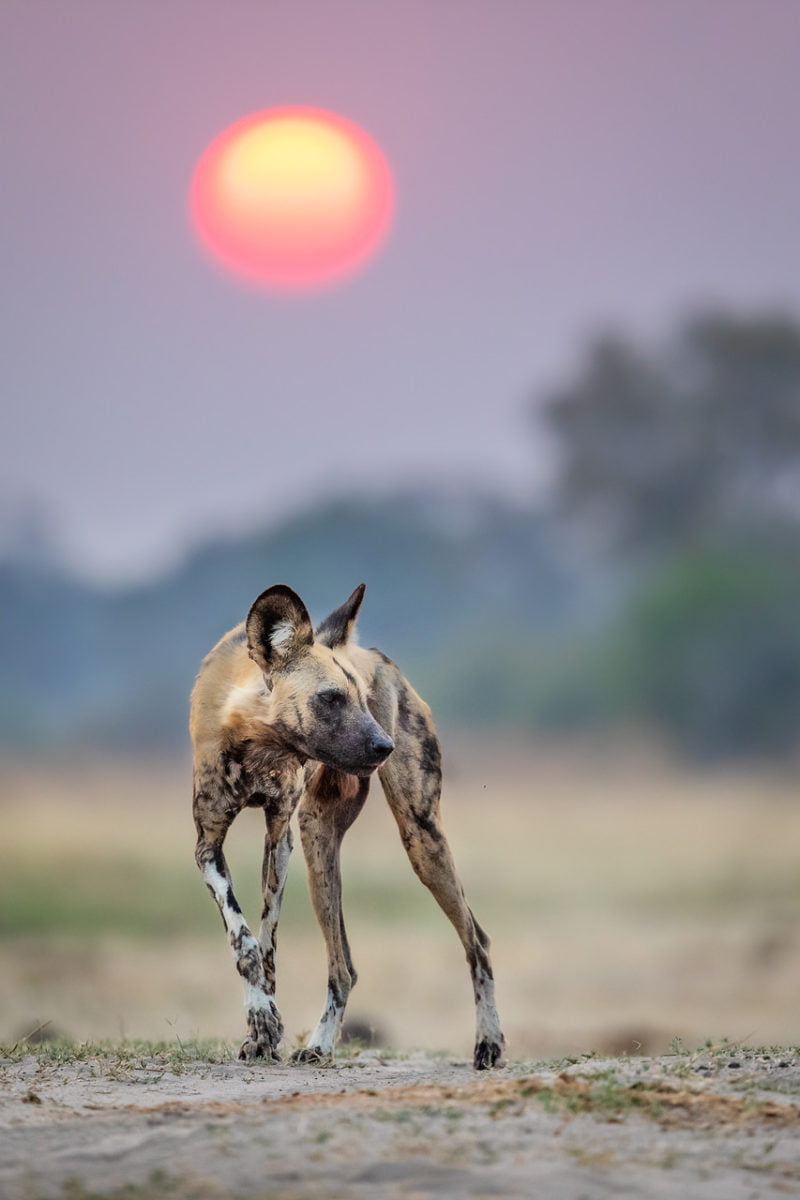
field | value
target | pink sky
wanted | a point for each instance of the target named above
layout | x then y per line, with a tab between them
560	165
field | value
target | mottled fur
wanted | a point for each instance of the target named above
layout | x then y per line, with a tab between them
283	717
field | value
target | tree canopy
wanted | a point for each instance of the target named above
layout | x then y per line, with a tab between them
696	441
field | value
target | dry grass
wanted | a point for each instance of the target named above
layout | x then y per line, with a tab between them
628	901
606	1095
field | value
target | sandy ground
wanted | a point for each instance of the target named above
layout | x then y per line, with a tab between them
719	1125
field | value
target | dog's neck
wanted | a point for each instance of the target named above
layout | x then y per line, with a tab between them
263	748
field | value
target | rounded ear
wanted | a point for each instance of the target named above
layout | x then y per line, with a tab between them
336	629
278	626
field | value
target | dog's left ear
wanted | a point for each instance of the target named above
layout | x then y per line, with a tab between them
278	627
336	629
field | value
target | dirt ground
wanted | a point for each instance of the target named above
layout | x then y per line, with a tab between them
717	1125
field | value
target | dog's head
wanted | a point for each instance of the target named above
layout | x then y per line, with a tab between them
317	700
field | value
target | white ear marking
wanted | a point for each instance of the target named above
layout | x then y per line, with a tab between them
280	634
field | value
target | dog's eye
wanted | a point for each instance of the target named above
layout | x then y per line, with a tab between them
332	696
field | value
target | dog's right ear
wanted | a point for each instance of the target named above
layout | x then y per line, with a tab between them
278	626
337	628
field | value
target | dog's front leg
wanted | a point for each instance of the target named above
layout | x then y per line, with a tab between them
277	851
324	820
263	1020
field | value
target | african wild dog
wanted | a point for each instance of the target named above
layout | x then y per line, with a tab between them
285	716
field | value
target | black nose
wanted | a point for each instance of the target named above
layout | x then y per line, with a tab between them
380	747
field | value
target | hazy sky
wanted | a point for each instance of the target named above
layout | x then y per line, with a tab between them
559	165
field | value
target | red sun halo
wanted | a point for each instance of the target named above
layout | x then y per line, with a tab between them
292	198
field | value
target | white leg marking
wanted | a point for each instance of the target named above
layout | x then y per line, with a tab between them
324	1036
257	1000
488	1022
280	856
255	994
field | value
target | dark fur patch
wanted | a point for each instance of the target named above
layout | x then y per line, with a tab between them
430	756
335	990
429	826
269	964
404	714
349	676
251	968
479	962
298	716
383	657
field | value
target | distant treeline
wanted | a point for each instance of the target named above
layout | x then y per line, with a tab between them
658	584
115	668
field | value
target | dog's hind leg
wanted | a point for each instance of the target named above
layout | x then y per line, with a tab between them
412	779
331	804
212	820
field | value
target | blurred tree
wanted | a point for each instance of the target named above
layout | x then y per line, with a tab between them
683	463
712	653
696	442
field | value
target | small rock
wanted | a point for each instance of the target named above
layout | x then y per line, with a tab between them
363	1031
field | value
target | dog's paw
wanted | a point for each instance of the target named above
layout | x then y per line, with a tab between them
312	1056
264	1032
251	1050
488	1053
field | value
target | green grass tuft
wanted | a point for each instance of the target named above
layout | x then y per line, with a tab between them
129	1055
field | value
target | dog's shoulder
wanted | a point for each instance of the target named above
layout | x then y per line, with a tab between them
228	685
391	696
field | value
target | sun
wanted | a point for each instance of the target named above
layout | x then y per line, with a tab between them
292	199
